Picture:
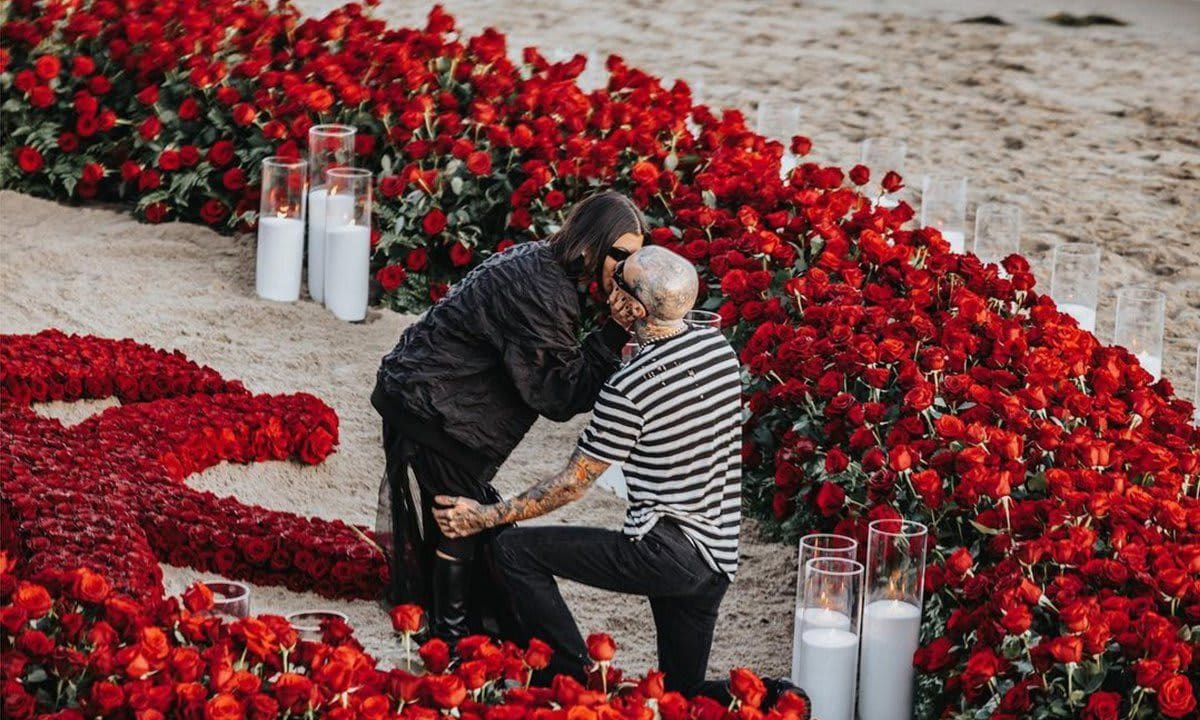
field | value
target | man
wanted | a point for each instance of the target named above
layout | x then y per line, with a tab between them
672	419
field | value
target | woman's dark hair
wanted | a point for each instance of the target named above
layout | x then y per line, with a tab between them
595	223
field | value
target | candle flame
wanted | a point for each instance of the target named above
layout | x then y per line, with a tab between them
282	212
893	592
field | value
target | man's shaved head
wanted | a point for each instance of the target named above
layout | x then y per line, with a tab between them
665	283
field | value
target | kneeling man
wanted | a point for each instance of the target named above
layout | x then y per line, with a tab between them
672	419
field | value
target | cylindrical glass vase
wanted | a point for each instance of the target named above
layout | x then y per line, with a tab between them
279	259
997	231
329	146
702	319
1075	281
780	120
882	155
348	242
812	547
307	623
891	620
231	599
829	651
1141	314
944	206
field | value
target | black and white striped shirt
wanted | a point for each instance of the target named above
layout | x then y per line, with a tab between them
672	418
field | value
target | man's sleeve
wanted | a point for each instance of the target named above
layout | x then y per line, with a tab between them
615	427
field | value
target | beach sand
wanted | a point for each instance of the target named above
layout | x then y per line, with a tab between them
1092	131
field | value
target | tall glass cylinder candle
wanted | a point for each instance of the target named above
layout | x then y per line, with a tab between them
780	120
881	155
891	620
348	242
1141	313
329	146
1075	281
702	319
279	260
944	206
813	547
829	652
997	231
231	599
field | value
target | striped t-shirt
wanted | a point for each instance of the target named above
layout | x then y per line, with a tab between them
672	418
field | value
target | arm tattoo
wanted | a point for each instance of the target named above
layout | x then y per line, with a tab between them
549	494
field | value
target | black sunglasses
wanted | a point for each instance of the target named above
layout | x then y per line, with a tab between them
619	254
619	279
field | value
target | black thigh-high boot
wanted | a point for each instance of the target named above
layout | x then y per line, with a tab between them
451	583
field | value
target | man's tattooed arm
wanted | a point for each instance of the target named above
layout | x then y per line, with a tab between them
460	517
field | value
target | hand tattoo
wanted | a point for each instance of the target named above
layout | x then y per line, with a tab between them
549	494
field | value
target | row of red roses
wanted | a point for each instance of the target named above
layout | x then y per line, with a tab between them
74	646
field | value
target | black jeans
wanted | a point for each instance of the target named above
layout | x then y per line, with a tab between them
665	566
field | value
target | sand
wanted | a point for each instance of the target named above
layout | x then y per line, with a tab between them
1093	132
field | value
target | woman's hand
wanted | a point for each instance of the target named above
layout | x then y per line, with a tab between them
624	309
459	517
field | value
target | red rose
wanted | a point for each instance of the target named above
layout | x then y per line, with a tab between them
960	561
32	598
68	142
900	458
437	291
234	179
41	97
644	173
189	155
801	145
82	66
244	114
836	460
261	706
435	655
106	697
747	687
93	172
416	259
460	255
479	162
213	211
295	693
223	707
447	691
390	277
150	128
601	647
1176	698
29	160
407	618
538	655
221	153
89	586
830	499
189	109
892	182
1068	649
936	656
390	186
169	160
47	67
1102	706
860	175
317	446
434	222
555	199
155	212
504	245
148	95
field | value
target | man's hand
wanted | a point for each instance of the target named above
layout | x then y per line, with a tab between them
624	309
460	517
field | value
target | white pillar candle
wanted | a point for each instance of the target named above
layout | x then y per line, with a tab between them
318	200
347	270
890	635
812	619
1151	363
1084	315
957	240
787	164
280	258
830	658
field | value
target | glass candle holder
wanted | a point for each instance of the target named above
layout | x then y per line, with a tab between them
829	651
348	242
1141	313
997	231
231	599
881	155
813	547
1075	281
944	206
329	146
891	620
279	260
702	319
780	120
307	623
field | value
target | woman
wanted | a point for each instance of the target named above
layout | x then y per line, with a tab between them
466	382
